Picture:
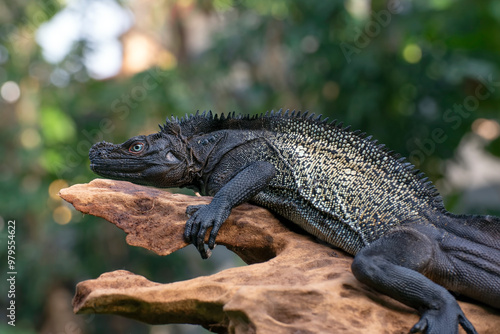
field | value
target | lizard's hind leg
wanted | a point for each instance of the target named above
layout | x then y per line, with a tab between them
394	265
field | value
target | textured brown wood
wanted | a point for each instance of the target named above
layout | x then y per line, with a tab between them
293	284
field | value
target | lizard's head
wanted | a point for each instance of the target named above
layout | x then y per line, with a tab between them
159	160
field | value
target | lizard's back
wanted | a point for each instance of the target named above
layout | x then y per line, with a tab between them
337	184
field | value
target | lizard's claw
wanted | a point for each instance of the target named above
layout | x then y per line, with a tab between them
444	320
191	209
203	217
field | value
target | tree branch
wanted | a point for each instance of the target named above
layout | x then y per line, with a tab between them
293	285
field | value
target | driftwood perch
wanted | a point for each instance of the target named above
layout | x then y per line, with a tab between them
293	285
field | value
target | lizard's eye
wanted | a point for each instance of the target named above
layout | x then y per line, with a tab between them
136	147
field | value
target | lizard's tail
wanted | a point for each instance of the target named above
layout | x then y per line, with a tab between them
473	247
483	230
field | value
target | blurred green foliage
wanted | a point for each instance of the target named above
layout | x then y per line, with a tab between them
414	74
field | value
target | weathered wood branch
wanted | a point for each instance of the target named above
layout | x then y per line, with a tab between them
293	285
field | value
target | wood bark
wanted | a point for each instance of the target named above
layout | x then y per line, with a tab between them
293	284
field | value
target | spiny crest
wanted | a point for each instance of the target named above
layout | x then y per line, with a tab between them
205	122
193	124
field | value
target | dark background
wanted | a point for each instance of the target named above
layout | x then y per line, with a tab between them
422	77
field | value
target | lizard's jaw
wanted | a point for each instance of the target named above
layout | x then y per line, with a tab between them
154	166
109	160
119	169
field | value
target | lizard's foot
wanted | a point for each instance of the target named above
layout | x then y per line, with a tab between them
444	320
201	218
191	209
399	275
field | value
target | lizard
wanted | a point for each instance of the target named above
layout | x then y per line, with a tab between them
337	184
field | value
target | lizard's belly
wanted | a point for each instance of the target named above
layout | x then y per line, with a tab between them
326	227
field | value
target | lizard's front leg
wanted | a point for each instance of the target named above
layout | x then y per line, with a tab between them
394	264
241	188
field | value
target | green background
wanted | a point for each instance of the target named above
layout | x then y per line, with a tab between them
421	77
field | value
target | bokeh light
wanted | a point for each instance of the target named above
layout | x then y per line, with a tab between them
55	187
10	91
62	215
486	128
30	138
412	53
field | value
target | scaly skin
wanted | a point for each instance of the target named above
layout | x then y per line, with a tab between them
336	184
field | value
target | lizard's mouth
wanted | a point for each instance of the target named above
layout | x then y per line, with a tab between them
118	169
109	160
152	167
